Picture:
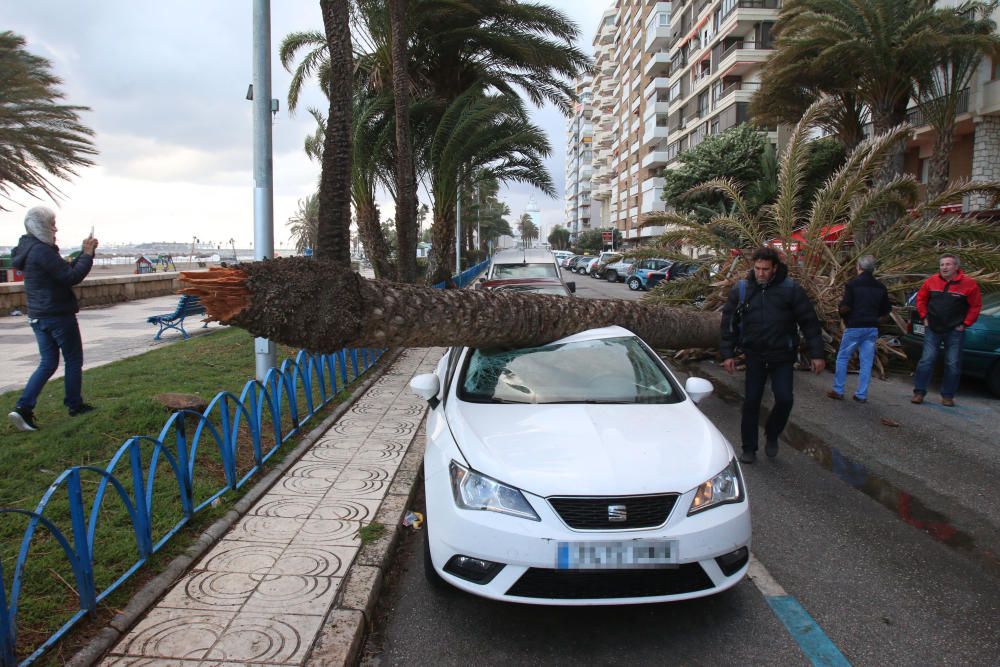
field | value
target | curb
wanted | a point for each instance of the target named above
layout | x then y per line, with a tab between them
147	596
342	635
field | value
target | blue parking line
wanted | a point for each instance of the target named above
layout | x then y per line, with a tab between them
804	630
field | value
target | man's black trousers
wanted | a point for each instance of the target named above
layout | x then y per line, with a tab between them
758	371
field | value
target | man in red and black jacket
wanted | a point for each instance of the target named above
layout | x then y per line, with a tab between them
948	303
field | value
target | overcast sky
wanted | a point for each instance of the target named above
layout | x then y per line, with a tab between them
166	84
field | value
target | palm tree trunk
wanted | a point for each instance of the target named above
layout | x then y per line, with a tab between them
373	240
442	259
333	241
883	121
406	179
940	167
323	307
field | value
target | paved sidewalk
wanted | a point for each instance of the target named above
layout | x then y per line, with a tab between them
261	594
109	334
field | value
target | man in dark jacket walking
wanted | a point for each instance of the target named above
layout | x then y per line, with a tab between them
761	318
865	303
52	309
949	303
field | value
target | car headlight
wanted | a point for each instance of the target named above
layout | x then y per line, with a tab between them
726	487
474	491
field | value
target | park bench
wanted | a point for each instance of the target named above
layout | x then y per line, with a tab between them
188	305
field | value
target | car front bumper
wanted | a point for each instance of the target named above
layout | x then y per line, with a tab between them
706	544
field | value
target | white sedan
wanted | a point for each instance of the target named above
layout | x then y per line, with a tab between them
577	473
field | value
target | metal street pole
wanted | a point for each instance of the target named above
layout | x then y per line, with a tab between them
263	180
458	231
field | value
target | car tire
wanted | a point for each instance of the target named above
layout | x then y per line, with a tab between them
611	276
634	284
993	379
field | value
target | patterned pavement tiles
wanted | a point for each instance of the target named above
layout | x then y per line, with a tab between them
260	595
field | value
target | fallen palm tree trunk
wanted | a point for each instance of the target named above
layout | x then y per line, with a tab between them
322	307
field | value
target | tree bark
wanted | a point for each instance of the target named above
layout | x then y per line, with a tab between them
333	242
442	259
373	240
323	307
894	165
940	167
406	175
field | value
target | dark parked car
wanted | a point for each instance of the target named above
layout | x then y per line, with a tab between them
675	271
981	350
639	272
531	285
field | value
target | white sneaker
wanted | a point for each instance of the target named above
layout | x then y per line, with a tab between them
23	421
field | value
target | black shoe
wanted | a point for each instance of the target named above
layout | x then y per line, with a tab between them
771	448
748	456
23	419
81	409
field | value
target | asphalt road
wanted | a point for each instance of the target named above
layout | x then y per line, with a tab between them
883	587
592	288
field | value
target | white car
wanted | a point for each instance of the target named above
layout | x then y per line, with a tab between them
578	473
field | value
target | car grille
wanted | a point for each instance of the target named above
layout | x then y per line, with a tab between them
591	513
603	584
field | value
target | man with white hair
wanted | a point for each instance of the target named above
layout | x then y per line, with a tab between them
949	302
52	309
865	304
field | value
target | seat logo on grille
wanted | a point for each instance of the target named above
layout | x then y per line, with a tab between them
617	513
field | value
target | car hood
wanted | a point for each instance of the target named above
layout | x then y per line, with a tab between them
579	449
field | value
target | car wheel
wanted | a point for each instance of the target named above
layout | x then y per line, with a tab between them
612	276
634	284
993	379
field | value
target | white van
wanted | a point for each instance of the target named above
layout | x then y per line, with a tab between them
526	263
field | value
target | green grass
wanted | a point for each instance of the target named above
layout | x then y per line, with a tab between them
371	532
123	393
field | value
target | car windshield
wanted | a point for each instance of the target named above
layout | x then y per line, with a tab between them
605	370
547	270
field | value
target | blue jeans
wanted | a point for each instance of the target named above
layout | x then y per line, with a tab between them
54	334
781	374
952	342
863	339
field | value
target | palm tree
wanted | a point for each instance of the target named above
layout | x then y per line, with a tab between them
559	238
940	92
39	137
334	235
526	227
480	136
304	223
870	53
406	171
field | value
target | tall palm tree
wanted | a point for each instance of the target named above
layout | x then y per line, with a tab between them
869	52
334	235
304	223
480	136
940	92
406	171
39	137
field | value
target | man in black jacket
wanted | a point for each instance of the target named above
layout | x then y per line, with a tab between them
52	310
865	303
761	318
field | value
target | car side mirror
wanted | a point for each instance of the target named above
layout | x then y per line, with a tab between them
572	287
696	388
426	386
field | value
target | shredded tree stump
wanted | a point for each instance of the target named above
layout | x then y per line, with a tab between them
324	307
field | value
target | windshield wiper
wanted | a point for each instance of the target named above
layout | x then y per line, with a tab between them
589	401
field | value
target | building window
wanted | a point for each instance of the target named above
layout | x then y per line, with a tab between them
663	19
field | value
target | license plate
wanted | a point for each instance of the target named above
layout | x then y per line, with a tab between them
918	329
615	555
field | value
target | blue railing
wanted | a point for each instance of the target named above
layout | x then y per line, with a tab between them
131	475
132	472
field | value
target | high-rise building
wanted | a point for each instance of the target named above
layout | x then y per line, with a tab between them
579	162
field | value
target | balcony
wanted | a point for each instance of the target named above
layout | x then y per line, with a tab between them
655	130
653	108
657	36
659	83
652	195
915	116
719	95
742	56
749	12
654	159
658	64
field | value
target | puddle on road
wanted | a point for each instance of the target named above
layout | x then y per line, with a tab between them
903	504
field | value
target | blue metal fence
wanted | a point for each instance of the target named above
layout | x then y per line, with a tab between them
314	378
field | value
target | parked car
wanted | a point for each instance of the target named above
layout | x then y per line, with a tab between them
640	271
578	473
676	271
981	348
561	255
573	261
616	271
597	271
565	262
527	263
583	267
532	285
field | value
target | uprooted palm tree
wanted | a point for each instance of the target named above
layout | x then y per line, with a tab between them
39	137
825	235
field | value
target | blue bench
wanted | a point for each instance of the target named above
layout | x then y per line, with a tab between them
188	305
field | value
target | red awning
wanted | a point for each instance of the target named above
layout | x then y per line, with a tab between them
829	234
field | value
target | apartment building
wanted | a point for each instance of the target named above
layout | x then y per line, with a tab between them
579	162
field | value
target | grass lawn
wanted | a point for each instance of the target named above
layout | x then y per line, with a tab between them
123	392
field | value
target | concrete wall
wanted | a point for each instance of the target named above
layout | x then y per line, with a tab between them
100	291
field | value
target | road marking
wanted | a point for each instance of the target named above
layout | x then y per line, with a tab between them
811	639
